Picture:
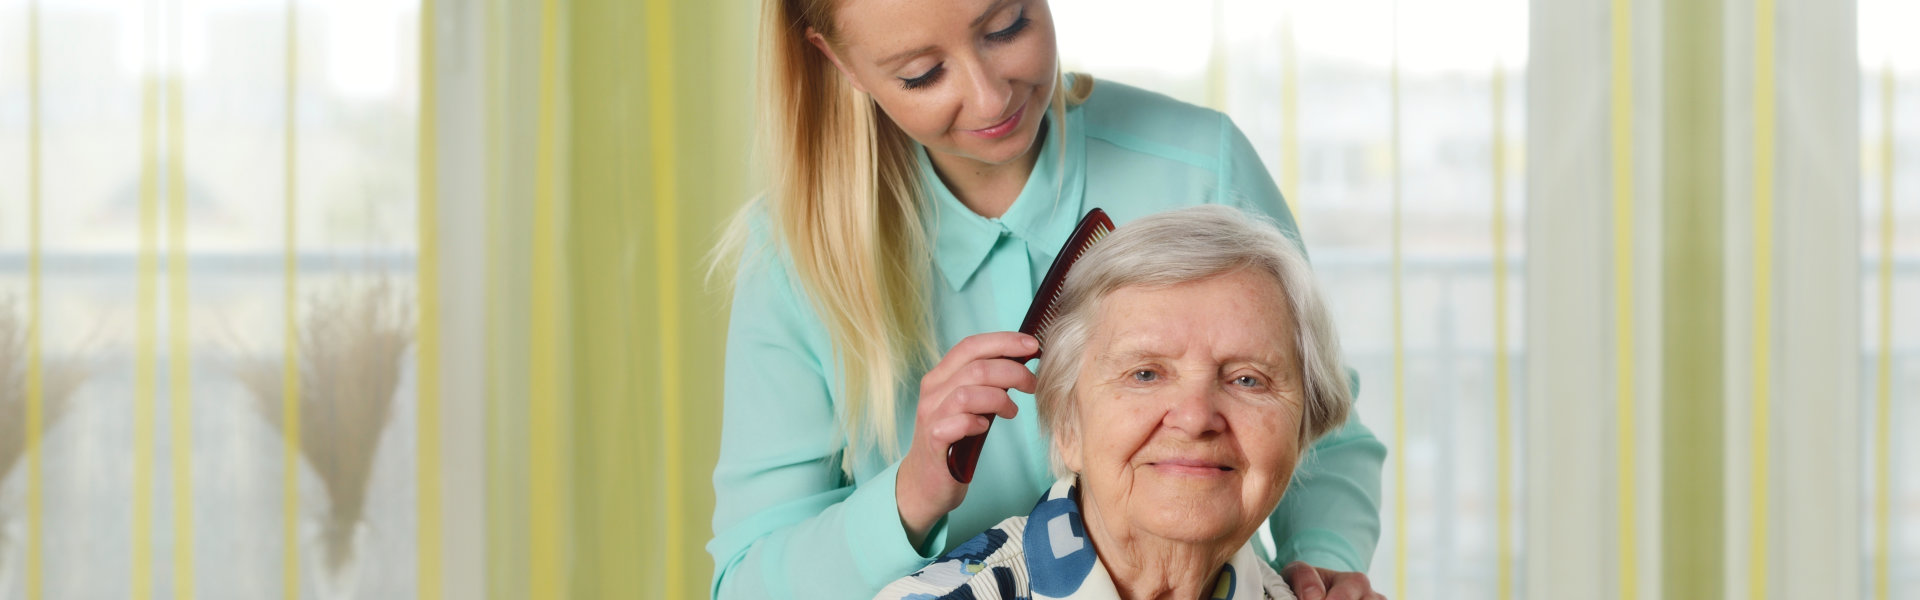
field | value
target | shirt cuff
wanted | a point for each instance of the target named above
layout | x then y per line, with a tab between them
880	547
1320	548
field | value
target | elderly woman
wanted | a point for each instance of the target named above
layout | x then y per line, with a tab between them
1191	364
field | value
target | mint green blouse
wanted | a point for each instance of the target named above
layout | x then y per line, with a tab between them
788	524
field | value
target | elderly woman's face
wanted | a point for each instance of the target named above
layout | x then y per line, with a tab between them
1188	409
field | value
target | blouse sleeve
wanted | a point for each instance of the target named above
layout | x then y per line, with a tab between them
787	523
1330	515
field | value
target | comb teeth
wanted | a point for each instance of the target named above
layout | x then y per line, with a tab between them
1092	228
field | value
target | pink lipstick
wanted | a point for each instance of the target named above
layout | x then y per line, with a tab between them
1003	128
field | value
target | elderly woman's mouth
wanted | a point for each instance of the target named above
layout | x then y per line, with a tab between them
1191	467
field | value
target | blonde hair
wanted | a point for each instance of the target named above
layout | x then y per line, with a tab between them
845	200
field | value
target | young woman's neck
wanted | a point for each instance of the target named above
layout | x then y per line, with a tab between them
987	189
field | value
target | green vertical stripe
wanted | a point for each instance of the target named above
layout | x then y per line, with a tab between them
509	61
610	252
36	382
1502	363
1400	564
648	193
1625	436
661	111
1217	59
1290	117
290	355
1693	289
1761	369
547	520
1883	369
427	408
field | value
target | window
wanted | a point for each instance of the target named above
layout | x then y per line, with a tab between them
1330	141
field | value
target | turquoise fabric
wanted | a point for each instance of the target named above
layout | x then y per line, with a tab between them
788	524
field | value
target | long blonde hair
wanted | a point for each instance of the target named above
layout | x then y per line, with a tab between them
845	198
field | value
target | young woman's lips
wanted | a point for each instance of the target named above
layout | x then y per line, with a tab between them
1003	128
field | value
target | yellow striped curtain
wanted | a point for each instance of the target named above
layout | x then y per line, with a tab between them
211	342
364	299
1889	203
289	291
1400	148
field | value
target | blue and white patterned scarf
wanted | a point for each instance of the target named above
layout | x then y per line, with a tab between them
1046	556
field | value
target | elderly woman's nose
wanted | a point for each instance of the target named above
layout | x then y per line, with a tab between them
1196	411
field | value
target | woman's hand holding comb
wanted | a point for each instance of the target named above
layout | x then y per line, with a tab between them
959	397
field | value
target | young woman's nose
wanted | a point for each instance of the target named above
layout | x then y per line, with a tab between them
1195	410
990	95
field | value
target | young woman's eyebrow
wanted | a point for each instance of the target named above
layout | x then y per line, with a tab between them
899	56
987	13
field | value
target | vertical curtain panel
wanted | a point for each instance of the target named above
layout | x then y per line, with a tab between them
367	299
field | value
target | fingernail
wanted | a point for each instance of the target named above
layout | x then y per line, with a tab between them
1030	342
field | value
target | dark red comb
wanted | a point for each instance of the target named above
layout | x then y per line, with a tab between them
964	455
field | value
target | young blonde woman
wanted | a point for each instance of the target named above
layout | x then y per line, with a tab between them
928	159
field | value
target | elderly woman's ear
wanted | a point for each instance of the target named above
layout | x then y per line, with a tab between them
1066	446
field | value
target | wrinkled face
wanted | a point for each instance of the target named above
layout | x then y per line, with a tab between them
969	78
1188	410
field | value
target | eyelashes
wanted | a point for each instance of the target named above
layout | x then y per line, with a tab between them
932	75
1019	24
1153	375
929	78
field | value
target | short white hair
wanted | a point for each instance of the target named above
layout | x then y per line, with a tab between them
1180	246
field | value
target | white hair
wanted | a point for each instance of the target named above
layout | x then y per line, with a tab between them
1181	246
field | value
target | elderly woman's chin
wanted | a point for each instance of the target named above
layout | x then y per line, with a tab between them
1209	508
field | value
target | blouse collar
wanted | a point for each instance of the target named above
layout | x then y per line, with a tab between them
1043	215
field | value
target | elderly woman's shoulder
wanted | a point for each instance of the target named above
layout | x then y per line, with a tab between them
988	566
1272	585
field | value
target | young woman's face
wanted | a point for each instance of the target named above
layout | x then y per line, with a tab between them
969	78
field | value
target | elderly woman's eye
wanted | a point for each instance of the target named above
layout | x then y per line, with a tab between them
1247	381
1146	375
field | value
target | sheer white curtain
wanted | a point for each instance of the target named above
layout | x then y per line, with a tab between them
1889	59
1372	114
173	137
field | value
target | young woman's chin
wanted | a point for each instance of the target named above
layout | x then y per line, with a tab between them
1004	150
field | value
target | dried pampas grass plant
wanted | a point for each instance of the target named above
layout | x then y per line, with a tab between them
57	382
353	342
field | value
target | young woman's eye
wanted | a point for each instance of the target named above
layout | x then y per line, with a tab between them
932	75
1146	375
1019	24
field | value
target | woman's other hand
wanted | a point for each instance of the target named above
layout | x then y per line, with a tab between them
959	397
1314	583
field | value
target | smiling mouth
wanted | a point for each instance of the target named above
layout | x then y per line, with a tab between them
1001	129
1191	466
